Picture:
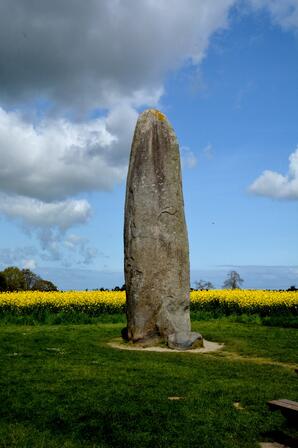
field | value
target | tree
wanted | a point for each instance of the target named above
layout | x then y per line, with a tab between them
15	279
44	285
30	278
203	285
3	283
292	288
233	281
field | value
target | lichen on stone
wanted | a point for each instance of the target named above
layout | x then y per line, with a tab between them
159	115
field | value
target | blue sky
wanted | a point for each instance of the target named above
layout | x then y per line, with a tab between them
225	74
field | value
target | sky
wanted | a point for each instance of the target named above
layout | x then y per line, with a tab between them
74	77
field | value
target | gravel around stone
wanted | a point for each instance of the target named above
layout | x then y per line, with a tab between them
208	347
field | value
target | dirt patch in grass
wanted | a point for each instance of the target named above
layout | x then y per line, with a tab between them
259	360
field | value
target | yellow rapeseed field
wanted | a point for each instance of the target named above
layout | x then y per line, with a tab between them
248	301
247	297
97	302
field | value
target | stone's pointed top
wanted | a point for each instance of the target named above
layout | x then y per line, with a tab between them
159	115
153	113
151	118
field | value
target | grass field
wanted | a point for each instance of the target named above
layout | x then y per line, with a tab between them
62	386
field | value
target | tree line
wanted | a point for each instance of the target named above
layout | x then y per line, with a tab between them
15	279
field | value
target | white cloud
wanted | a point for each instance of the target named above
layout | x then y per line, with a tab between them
80	246
58	158
101	55
276	185
81	55
188	158
32	212
283	12
208	151
56	245
77	56
42	165
69	249
49	222
17	256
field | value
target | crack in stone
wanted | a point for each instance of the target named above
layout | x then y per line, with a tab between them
168	212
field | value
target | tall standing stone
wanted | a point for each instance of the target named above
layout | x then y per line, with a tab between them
156	250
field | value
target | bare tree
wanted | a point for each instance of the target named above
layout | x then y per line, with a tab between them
203	285
233	281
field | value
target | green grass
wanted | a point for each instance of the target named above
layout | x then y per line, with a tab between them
62	386
46	317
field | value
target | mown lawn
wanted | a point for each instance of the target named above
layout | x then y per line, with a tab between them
62	386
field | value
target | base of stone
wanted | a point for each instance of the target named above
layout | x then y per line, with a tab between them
208	347
185	341
153	341
178	341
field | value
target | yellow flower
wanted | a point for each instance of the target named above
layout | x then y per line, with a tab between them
114	301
